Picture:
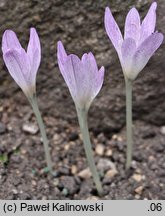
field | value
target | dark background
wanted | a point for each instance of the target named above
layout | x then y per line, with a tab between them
79	24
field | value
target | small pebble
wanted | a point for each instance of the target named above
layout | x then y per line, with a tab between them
14	191
162	130
1	108
137	196
74	169
100	149
66	147
94	198
69	184
114	137
30	128
34	183
134	164
111	173
23	151
105	164
18	172
73	136
2	128
138	171
56	137
56	182
108	152
85	174
151	158
137	177
139	189
120	139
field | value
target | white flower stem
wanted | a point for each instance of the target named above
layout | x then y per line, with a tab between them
128	84
82	117
34	104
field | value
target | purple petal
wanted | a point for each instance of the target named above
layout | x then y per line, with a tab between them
88	78
100	79
10	41
71	71
127	50
81	76
132	25
97	76
113	30
148	24
145	51
92	78
18	66
89	63
61	53
34	52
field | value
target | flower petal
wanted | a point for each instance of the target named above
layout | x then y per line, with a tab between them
148	24
34	52
97	76
113	30
127	51
10	41
81	76
71	71
61	52
145	51
89	79
132	25
18	65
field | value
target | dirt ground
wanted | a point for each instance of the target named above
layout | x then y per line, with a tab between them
79	24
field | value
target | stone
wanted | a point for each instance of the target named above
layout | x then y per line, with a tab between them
108	152
100	149
2	128
94	198
56	137
30	128
15	191
85	174
73	136
137	196
69	184
34	183
137	177
111	173
139	190
162	130
73	169
105	164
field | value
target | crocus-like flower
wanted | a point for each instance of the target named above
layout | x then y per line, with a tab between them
139	43
84	81
22	65
82	76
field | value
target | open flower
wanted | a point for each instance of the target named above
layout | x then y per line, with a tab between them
82	76
22	65
139	43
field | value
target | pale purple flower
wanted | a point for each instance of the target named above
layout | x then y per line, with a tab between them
22	65
82	76
139	42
